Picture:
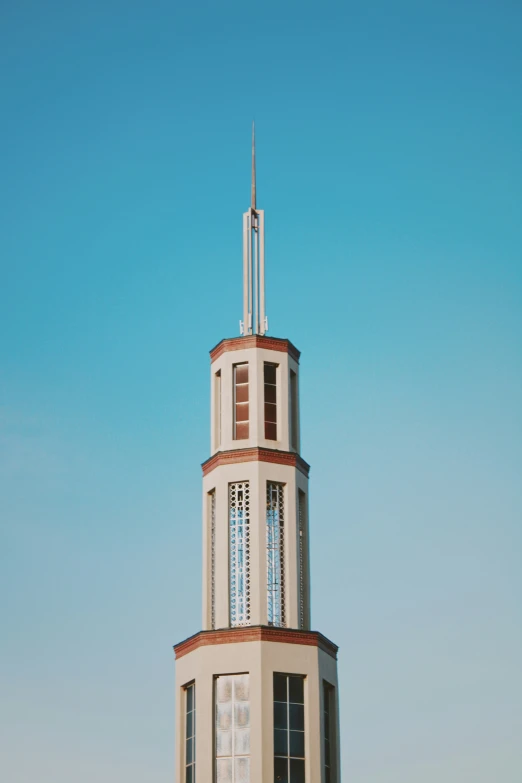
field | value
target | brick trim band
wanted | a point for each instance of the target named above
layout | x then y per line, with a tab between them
256	633
256	454
254	341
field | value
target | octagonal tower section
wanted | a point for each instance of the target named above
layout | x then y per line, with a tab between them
255	489
256	689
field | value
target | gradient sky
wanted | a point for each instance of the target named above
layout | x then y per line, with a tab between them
390	170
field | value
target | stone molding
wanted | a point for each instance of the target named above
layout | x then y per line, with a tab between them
256	454
254	341
255	633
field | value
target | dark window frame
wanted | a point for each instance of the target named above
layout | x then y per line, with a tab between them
294	411
241	419
329	749
289	728
270	377
190	732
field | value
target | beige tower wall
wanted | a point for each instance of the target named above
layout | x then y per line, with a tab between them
260	659
222	406
256	648
257	474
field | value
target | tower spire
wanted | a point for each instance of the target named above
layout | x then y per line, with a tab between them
254	319
253	199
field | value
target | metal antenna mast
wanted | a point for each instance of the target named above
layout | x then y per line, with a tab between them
254	318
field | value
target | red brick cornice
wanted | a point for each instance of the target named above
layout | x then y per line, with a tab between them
256	633
256	454
254	341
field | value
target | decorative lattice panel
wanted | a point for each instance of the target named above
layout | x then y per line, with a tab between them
239	520
275	553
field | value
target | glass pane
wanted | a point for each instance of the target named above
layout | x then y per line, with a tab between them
297	771
242	411
241	373
281	770
296	688
224	715
241	742
224	688
270	431
328	777
189	778
280	742
297	717
242	714
297	744
224	771
280	692
242	431
190	698
223	743
241	687
281	715
270	393
327	752
270	412
241	770
190	724
190	758
270	373
242	393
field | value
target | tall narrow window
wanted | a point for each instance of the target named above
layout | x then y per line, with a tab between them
301	512
190	733
329	731
240	401
217	409
212	521
270	377
239	522
232	737
275	553
294	411
289	729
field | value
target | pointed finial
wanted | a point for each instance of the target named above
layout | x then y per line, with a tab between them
253	205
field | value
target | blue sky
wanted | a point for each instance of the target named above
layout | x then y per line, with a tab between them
390	171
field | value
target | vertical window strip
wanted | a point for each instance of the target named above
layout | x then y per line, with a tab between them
270	383
190	733
217	409
239	538
289	729
302	557
328	724
212	512
232	728
275	552
241	397
294	413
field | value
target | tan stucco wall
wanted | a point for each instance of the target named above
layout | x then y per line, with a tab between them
257	474
255	357
260	660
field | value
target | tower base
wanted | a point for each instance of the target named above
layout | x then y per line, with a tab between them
248	687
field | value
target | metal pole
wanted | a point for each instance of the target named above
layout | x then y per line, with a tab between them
255	239
261	240
245	272
251	283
